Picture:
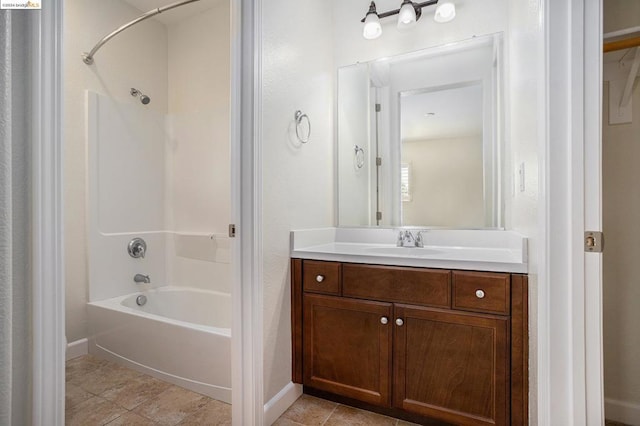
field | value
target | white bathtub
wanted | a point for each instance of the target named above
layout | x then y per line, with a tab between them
181	335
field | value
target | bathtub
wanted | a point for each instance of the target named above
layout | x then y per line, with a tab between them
181	335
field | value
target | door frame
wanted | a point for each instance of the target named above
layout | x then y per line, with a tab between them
570	385
48	307
247	369
592	210
569	324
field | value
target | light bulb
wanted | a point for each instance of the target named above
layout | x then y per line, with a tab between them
445	11
372	27
406	16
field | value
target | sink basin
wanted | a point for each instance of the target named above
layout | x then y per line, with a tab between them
402	251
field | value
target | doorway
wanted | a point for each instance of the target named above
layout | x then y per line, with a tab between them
621	208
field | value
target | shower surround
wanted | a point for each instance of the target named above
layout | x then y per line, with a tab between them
157	167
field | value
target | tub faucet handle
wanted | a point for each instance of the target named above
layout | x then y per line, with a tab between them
139	278
137	248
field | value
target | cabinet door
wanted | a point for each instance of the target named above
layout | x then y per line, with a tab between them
451	366
347	347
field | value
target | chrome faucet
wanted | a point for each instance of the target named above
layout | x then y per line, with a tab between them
407	239
137	248
139	278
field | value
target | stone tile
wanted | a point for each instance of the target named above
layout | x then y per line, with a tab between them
403	423
75	395
76	368
215	413
344	415
131	419
309	410
612	423
94	411
106	377
286	422
131	393
172	406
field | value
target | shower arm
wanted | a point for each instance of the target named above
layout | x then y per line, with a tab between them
87	58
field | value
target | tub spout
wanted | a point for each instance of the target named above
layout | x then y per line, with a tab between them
139	278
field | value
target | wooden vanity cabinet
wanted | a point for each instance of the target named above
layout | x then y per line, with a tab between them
413	340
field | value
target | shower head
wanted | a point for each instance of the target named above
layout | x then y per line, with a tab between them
143	98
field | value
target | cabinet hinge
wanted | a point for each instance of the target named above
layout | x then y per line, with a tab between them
232	230
378	107
593	241
378	161
378	215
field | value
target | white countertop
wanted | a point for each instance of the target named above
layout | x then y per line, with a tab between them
478	250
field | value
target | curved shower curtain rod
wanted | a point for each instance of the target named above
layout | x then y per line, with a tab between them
87	58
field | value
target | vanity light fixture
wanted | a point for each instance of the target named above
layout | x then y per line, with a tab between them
445	11
408	15
372	28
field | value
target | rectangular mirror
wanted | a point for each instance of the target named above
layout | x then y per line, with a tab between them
419	138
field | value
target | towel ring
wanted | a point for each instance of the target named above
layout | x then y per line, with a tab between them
299	116
359	156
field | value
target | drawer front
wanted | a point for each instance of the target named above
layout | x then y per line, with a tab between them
482	292
429	287
321	277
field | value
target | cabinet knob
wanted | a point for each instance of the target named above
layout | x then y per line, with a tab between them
384	320
399	322
320	278
480	294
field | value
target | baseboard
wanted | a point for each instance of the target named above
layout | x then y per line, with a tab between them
77	348
279	403
622	411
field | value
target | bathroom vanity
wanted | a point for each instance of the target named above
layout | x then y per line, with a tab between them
425	343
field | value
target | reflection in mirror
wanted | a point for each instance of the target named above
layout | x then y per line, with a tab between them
441	133
426	127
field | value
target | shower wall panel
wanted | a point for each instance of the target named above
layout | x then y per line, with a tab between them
126	194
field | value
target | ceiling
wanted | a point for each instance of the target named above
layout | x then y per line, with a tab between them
442	114
172	16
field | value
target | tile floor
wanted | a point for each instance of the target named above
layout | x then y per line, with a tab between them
312	411
100	392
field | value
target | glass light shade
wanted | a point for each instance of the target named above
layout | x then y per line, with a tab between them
372	27
406	16
445	11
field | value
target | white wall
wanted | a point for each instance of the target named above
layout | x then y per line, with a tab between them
298	180
456	165
524	122
198	163
135	58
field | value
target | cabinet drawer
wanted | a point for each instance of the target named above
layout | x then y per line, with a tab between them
428	287
321	277
482	292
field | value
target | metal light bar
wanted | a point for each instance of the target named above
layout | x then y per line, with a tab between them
417	6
